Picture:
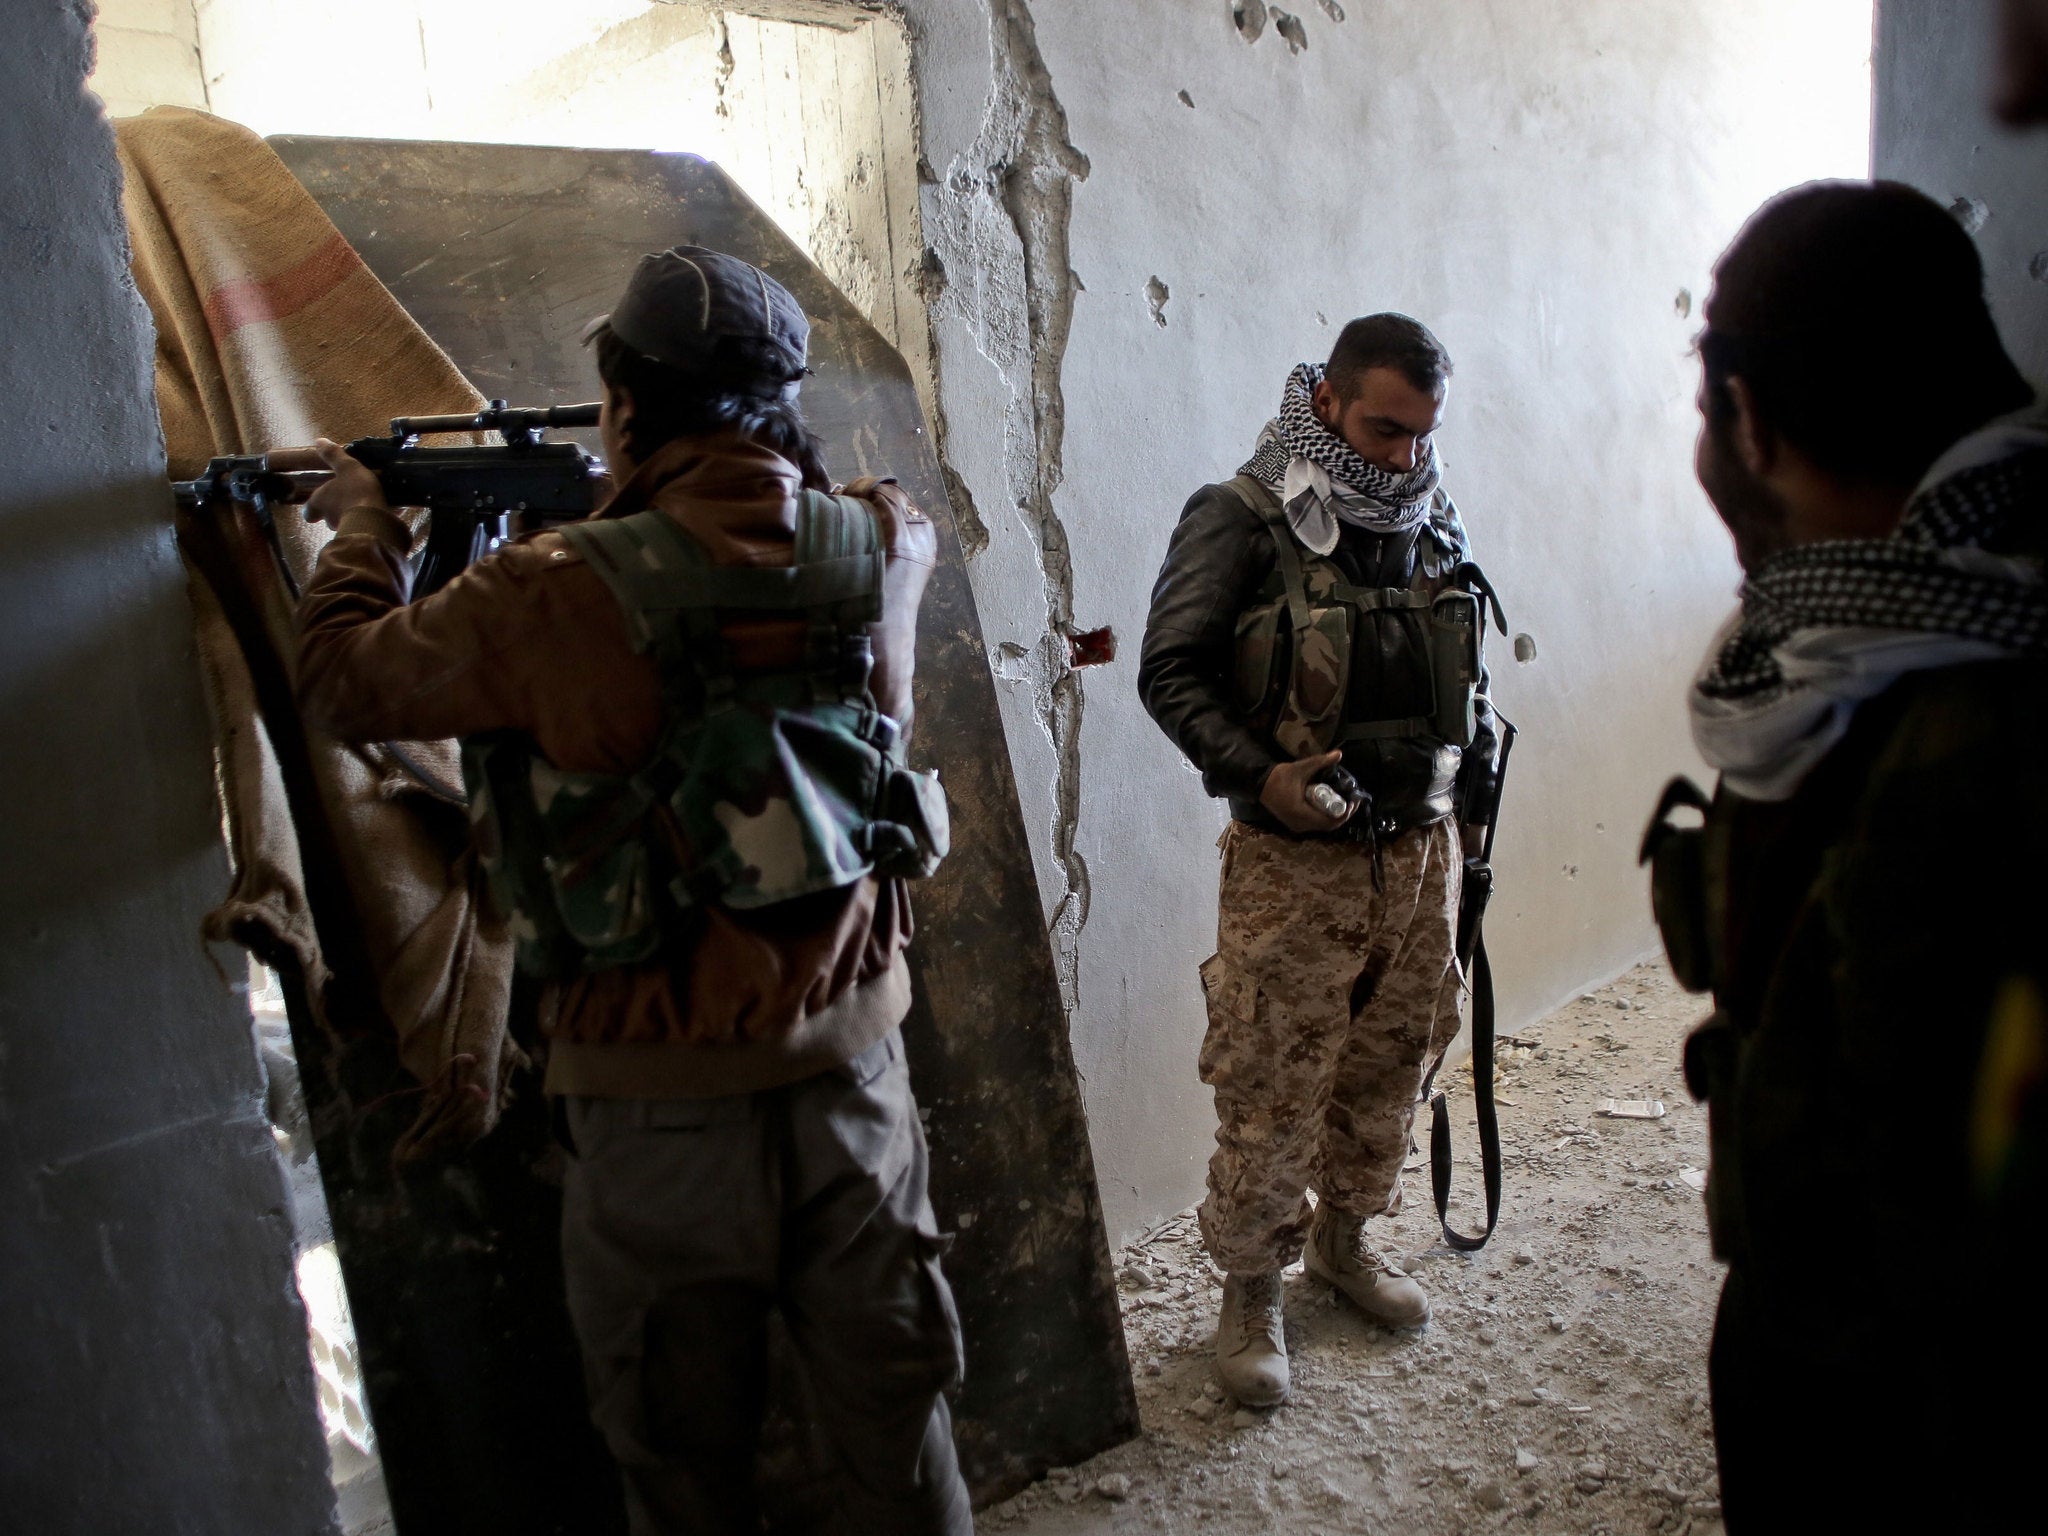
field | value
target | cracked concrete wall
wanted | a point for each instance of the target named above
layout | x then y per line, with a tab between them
1934	132
1142	214
152	1345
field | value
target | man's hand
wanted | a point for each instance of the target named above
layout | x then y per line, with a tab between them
1285	794
1474	839
354	483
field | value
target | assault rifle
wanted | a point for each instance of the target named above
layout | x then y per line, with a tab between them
471	492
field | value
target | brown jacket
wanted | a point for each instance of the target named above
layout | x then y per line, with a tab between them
532	640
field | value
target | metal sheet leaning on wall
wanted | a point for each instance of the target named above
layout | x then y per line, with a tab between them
502	253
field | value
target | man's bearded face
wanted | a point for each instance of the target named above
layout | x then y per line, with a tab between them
1751	512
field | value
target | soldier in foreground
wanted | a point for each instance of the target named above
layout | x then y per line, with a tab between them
1314	614
674	717
1864	898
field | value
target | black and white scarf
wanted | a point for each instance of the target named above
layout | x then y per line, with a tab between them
1321	480
1823	627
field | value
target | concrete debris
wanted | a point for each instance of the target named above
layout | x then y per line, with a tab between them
1116	1487
1156	295
1490	1496
1244	1418
1695	1179
1631	1109
1526	1461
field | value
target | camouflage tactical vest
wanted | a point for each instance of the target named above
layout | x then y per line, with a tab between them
1295	646
765	786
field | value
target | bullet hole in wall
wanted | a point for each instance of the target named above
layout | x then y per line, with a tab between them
1332	9
1683	303
1156	295
1970	212
2037	269
1525	648
1249	17
1092	648
1186	100
1289	26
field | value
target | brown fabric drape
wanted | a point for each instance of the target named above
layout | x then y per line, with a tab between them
353	860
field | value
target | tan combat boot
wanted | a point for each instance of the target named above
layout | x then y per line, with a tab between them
1251	1340
1339	1255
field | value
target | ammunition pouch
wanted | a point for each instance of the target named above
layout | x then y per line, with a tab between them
1684	877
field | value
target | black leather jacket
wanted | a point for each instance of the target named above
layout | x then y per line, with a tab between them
1220	556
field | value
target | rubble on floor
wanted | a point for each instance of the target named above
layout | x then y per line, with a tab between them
1561	1387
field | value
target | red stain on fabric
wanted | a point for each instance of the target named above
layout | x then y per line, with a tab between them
252	300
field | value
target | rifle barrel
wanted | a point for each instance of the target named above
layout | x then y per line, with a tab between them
499	419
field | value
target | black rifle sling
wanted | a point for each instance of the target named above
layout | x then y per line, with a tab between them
1481	972
1482	1095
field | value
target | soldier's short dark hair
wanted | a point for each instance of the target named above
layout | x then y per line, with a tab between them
1836	299
732	391
1387	341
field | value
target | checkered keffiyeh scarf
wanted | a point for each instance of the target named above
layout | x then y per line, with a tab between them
1824	627
1366	497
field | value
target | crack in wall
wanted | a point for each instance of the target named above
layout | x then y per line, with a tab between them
1004	212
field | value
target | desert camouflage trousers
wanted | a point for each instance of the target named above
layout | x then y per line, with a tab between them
1328	999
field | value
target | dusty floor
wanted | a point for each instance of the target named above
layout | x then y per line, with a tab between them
1562	1385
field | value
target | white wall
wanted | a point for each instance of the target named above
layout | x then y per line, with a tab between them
147	56
1539	182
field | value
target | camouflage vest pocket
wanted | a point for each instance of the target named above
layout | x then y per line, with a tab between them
913	831
599	881
529	825
775	801
1456	625
1255	677
1319	677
